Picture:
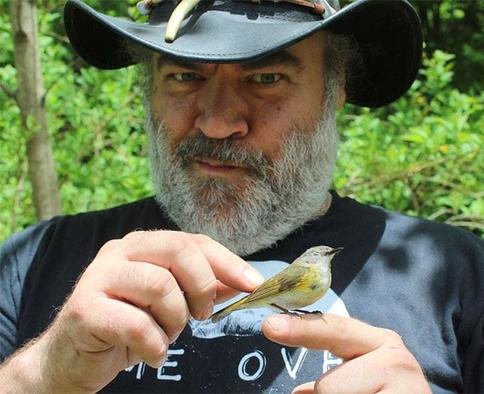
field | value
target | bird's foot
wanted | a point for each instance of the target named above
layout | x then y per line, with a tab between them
302	312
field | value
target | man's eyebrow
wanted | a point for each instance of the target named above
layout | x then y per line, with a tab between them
281	58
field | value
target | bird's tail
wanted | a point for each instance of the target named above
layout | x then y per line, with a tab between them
224	312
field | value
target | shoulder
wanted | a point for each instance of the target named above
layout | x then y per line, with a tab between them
401	241
90	230
449	258
81	229
433	237
402	229
21	247
143	214
136	211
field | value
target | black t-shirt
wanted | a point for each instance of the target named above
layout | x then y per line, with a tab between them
422	279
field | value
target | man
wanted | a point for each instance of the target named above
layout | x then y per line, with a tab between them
241	99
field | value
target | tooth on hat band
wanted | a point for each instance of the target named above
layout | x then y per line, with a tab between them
176	18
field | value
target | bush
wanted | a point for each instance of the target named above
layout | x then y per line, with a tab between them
422	154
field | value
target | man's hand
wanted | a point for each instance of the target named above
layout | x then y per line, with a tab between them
132	301
376	359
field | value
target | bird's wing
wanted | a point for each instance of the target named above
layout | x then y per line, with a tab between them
279	283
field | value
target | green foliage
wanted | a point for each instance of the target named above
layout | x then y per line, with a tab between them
455	26
420	155
96	122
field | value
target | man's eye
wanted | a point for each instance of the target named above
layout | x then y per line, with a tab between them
186	77
266	79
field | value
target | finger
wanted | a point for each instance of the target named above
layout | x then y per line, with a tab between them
176	252
111	323
224	293
364	380
169	248
195	261
386	368
184	255
240	275
153	289
344	337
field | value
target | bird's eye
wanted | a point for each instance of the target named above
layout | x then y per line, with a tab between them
187	77
266	78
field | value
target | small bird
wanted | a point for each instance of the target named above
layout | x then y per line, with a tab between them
302	283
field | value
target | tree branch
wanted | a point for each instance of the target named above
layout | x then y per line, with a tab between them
104	125
59	37
409	172
71	64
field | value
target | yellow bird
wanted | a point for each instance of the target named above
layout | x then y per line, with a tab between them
302	283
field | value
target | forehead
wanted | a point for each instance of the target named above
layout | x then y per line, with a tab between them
307	53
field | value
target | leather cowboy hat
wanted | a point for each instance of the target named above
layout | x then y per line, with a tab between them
388	34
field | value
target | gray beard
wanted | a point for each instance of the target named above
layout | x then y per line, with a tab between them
278	196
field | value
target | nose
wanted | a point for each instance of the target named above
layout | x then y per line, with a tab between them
222	110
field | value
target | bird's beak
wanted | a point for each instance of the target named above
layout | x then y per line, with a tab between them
334	251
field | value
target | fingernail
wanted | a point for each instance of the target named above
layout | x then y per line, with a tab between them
253	276
277	324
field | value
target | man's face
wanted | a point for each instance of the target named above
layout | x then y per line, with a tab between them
239	150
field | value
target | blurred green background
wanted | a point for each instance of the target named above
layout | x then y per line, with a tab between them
422	155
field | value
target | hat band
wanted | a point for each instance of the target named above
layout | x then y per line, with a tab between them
145	7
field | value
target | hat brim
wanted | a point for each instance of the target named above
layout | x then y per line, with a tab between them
388	34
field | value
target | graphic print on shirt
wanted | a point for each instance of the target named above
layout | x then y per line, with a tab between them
244	327
248	322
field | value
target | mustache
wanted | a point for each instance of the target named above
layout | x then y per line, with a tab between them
199	146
